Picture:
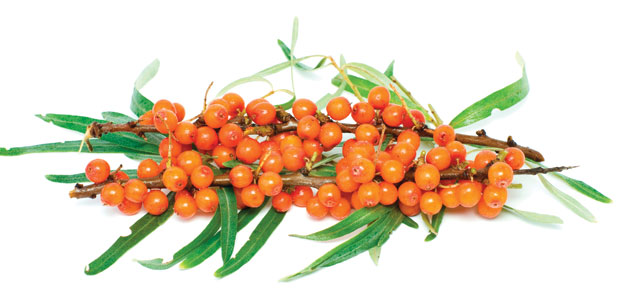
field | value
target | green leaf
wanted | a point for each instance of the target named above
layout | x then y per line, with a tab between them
301	66
501	99
386	141
139	230
80	123
396	218
323	171
295	34
228	210
99	146
583	188
116	117
81	177
567	200
436	223
288	104
257	239
204	236
140	156
353	222
326	159
232	163
389	72
534	217
411	223
244	80
375	253
322	103
206	249
139	103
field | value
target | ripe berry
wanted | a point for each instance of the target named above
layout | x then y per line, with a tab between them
185	205
338	108
367	132
240	204
155	202
223	154
417	115
235	103
186	133
189	160
272	162
363	113
269	145
201	177
483	158
469	193
409	210
135	190
163	164
362	170
380	158
313	146
249	109
330	135
206	138
393	115
120	175
389	193
146	118
494	197
175	148
403	152
263	113
216	115
129	208
252	196
175	179
362	149
293	158
369	194
303	107
500	174
379	97
487	211
515	158
282	202
449	197
427	177
240	176
328	194
308	127
270	183
430	203
207	200
393	171
439	157
355	201
444	134
161	104
290	141
112	194
409	193
230	135
301	194
147	168
410	137
97	170
345	181
457	152
316	209
221	102
248	150
341	210
165	121
180	111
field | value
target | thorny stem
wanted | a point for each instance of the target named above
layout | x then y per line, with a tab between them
294	179
346	78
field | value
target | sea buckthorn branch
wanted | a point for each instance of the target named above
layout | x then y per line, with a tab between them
297	178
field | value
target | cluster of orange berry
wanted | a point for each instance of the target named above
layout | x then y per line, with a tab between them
365	177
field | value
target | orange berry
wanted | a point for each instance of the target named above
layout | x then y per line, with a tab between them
308	128
97	170
487	211
362	149
184	204
161	104
180	110
148	168
483	158
328	194
129	208
444	134
186	133
293	158
207	200
430	203
410	137
312	146
155	202
338	108
112	194
417	115
439	157
500	174
403	152
316	209
146	119
235	103
389	193
206	138
449	197
341	210
515	158
290	141
301	194
363	113
393	115
221	102
393	171
270	183
175	148
165	121
269	145
163	164
175	179
469	193
379	97
262	113
369	194
409	210
330	135
248	150
240	204
216	115
494	197
457	152
303	107
250	107
240	176
230	135
272	162
201	177
189	160
282	202
345	181
223	154
252	196
427	177
355	201
362	170
135	190
367	132
409	193
120	175
380	158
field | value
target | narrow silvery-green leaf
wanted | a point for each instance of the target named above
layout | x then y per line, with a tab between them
411	223
532	216
139	103
351	223
324	171
228	210
288	104
436	223
567	200
501	99
116	117
326	159
299	65
232	163
81	177
139	230
244	80
208	248
389	72
204	236
257	240
375	253
141	156
147	74
99	146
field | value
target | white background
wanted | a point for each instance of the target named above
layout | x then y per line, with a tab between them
79	58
